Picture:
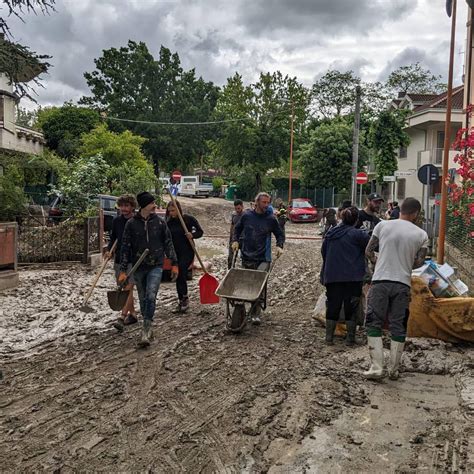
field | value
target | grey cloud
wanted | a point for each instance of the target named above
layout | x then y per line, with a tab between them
321	16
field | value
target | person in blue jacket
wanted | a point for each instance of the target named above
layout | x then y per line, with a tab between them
343	271
252	235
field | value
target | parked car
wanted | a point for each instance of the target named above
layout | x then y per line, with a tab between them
192	186
302	210
107	203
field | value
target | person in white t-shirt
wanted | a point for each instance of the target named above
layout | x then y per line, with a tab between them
401	246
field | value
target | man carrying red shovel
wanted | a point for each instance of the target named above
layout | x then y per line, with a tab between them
147	230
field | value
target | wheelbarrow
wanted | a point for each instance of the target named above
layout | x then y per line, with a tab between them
243	290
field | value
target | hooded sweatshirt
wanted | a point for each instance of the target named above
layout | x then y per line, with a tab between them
343	252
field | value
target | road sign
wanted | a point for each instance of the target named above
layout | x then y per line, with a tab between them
361	178
389	179
176	174
428	174
404	174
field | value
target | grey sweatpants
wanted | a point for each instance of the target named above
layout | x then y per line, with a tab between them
388	300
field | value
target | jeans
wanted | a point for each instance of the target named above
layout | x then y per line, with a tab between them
341	294
148	283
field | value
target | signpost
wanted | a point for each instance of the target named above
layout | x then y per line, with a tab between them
428	175
404	174
361	178
176	175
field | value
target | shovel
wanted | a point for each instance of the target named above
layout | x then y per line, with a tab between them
207	283
85	308
117	298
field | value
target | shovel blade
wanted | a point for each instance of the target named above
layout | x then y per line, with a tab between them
86	309
117	299
207	289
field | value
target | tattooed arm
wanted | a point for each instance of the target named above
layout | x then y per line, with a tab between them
372	247
420	257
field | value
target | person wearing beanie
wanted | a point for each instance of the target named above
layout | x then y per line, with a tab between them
147	230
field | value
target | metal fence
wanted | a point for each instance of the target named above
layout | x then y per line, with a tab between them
460	248
68	240
320	197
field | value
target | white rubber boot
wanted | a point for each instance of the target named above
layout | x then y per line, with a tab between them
396	351
375	371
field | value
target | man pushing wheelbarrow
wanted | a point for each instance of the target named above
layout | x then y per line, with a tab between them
253	235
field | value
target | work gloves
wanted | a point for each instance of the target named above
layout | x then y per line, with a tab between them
279	252
174	273
122	278
235	246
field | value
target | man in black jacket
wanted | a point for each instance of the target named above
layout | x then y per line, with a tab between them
146	230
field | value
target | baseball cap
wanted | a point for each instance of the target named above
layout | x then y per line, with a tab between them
375	197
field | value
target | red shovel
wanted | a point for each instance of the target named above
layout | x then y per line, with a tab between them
207	283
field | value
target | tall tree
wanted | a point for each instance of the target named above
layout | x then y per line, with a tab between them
326	159
129	84
63	127
257	136
387	136
415	79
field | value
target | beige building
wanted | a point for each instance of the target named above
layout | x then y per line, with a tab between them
426	128
14	137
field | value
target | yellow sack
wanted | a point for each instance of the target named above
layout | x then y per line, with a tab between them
448	319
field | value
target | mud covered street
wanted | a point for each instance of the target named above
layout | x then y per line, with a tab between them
77	396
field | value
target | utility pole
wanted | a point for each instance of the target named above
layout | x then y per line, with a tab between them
290	183
447	133
355	146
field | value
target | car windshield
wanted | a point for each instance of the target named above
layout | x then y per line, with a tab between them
302	205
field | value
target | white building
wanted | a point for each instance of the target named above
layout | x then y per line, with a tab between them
425	126
14	137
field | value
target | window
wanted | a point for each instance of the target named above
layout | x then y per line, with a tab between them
401	186
402	153
438	151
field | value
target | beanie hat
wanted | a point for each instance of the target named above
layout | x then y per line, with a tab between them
144	199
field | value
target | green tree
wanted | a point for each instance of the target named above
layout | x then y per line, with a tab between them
86	178
115	148
133	180
326	159
415	79
63	127
256	137
26	118
12	195
130	84
387	135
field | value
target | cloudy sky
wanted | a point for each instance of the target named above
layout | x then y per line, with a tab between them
302	38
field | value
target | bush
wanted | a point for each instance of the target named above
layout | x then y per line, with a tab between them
12	197
217	183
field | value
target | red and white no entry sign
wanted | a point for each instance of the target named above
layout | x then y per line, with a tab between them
361	178
176	174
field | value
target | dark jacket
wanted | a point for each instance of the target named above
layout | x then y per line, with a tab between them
254	232
181	243
118	226
395	214
343	252
141	234
234	221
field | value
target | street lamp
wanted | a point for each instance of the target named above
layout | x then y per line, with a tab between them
290	177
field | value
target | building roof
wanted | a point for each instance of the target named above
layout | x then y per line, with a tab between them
440	101
421	97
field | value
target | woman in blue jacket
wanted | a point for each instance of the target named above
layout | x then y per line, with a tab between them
343	271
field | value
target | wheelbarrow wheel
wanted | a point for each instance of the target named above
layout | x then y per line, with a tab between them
238	318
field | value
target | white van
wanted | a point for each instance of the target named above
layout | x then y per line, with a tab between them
191	186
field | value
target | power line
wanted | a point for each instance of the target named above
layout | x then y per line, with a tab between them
213	122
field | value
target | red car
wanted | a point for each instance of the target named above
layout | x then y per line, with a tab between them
302	210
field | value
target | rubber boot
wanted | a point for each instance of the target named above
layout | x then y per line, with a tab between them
375	371
330	329
396	351
351	333
146	333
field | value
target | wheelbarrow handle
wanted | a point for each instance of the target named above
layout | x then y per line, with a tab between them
134	268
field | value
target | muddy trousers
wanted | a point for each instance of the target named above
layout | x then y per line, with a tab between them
341	294
184	261
388	300
148	283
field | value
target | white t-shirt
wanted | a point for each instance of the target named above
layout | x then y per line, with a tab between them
399	242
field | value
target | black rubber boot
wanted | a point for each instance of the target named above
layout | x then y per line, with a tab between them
351	333
330	329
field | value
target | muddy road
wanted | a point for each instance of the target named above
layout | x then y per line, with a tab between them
77	396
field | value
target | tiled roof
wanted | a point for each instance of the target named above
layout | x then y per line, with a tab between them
439	101
422	97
